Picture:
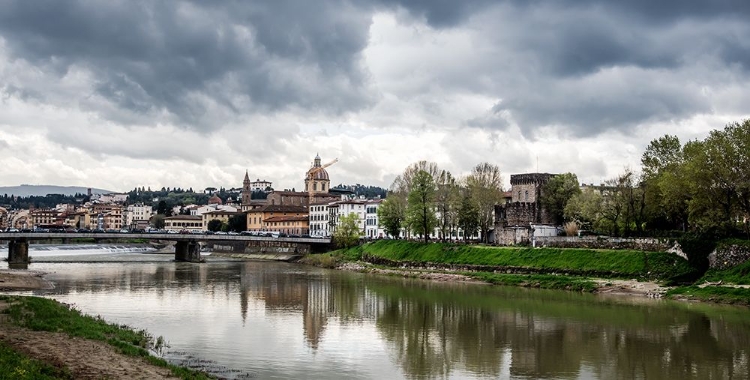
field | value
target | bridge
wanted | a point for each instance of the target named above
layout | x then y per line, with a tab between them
187	247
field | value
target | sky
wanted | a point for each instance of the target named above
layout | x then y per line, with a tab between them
120	94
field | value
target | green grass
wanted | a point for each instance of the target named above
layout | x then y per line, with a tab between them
15	365
739	275
720	294
606	263
540	281
42	314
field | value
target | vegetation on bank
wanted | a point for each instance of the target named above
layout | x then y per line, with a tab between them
606	263
15	365
42	314
718	294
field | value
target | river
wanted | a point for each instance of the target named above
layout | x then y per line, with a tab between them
271	320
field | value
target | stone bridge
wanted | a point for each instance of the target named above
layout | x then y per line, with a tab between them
187	246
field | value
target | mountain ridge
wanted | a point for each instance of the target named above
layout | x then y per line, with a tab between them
42	190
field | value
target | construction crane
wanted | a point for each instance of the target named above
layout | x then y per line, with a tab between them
311	176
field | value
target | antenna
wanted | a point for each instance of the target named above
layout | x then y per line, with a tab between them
537	163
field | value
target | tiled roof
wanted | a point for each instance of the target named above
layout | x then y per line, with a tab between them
286	219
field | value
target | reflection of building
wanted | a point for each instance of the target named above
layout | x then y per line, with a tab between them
523	218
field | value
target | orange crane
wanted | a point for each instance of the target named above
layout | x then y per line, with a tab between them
311	175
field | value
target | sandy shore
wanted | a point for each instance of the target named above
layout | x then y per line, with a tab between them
86	359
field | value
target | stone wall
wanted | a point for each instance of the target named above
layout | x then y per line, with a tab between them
593	242
512	236
260	247
728	256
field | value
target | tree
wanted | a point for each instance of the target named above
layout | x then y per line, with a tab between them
347	233
391	215
468	217
446	201
214	225
585	208
420	214
557	192
237	223
158	221
485	185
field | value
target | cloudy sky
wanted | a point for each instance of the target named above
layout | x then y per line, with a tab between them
123	93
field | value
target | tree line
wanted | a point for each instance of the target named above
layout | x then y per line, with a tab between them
701	187
425	198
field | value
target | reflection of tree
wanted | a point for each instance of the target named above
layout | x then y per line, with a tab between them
446	330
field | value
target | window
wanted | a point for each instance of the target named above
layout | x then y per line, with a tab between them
526	196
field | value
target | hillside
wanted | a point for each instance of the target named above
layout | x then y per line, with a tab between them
42	190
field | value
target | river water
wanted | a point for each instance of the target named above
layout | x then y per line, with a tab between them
270	320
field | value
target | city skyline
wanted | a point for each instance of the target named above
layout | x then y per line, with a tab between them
118	95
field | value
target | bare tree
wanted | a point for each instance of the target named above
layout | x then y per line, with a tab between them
485	185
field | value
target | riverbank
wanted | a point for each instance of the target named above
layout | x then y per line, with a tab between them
43	339
630	272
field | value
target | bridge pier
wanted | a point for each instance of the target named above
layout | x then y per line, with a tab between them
189	251
18	251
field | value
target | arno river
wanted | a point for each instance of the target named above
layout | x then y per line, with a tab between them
277	320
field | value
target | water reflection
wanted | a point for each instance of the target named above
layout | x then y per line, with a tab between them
349	325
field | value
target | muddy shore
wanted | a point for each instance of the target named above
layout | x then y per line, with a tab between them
86	359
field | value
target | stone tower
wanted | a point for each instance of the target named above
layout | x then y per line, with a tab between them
246	192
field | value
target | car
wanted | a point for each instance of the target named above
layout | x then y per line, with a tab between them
221	233
233	233
12	230
172	232
98	231
197	232
83	230
124	231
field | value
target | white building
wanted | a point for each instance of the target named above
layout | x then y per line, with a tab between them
372	228
319	219
198	211
345	207
110	198
259	185
135	213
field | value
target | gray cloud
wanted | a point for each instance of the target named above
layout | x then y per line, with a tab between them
587	66
156	58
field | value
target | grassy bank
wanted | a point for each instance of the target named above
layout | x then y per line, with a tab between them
42	314
15	365
719	294
629	264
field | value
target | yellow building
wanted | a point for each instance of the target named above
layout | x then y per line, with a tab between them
259	219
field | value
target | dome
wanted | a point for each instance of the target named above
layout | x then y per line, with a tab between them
214	200
321	174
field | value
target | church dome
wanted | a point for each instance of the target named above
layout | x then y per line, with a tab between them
321	174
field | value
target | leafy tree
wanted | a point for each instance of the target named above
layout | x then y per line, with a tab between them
391	215
158	221
237	223
347	233
214	225
420	214
557	192
485	188
468	217
585	208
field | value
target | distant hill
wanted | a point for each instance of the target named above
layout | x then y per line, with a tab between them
42	190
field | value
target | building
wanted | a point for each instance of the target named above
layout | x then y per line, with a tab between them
316	179
183	222
319	219
372	227
259	219
524	217
137	215
260	185
41	218
110	198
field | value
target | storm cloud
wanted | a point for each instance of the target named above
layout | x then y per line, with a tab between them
266	79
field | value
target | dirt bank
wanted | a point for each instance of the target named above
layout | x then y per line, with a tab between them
22	280
604	286
86	359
